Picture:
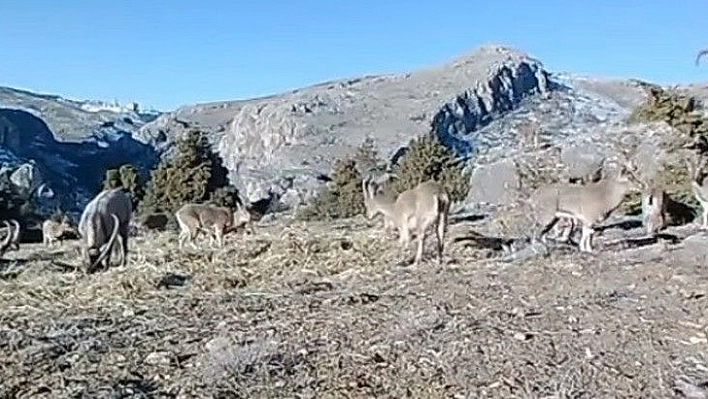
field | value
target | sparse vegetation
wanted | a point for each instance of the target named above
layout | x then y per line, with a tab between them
317	310
674	177
537	170
227	196
684	114
343	197
427	158
193	174
127	177
677	109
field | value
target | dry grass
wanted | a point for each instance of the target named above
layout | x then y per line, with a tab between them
317	310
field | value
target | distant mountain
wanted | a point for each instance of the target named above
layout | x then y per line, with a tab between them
69	143
477	104
296	136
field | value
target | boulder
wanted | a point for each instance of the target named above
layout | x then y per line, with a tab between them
495	183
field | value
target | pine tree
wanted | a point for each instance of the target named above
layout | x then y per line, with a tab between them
191	175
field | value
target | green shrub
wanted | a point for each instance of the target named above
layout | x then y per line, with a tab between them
191	175
343	197
427	158
112	179
674	178
128	178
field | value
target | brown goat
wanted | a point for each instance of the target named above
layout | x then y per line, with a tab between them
193	218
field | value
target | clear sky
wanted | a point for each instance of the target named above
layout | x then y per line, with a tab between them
169	53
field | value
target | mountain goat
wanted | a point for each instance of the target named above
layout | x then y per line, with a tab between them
52	231
105	217
193	218
412	211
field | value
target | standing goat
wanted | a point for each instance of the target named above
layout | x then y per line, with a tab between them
592	203
105	217
542	202
413	211
193	218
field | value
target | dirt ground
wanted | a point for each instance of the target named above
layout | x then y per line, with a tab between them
324	311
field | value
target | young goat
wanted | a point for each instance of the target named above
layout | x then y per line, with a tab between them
193	218
412	211
53	231
590	204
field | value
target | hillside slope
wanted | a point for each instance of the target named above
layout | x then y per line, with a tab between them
298	135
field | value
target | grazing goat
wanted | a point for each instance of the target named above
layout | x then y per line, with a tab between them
105	217
193	218
412	211
53	231
591	203
12	236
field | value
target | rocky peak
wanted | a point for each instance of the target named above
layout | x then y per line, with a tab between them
302	132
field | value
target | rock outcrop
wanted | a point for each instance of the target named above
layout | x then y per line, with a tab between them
301	133
72	168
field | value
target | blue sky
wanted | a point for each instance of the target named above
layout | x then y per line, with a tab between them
169	53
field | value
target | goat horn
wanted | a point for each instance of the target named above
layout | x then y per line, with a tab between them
8	240
701	54
365	185
16	234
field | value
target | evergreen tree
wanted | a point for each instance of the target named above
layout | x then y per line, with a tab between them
191	175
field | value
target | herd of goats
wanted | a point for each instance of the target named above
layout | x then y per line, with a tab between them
107	219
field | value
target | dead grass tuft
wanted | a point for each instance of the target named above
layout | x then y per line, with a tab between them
321	310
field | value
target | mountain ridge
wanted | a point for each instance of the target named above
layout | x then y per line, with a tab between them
284	142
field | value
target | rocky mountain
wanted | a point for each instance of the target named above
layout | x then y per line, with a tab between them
476	104
67	144
480	104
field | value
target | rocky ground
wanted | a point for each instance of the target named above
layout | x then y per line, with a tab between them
324	310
